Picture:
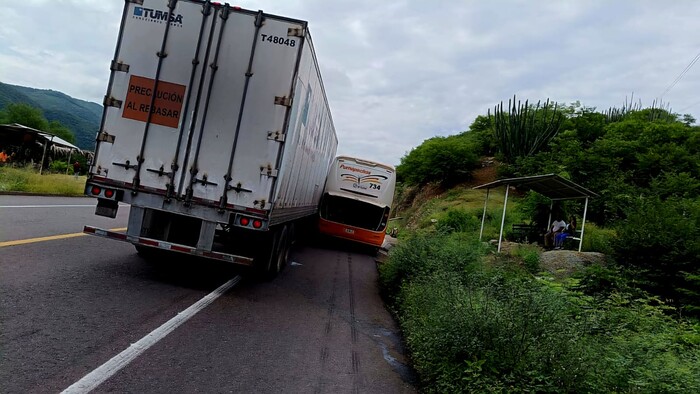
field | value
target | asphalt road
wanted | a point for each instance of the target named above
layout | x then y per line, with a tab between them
70	304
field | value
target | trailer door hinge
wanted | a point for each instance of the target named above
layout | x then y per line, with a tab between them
268	171
283	100
119	66
105	137
275	136
112	102
296	32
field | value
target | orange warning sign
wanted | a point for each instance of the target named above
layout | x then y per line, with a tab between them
167	106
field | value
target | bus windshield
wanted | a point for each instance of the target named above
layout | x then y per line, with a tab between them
352	212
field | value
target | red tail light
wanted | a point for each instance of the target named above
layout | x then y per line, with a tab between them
245	221
257	223
95	190
109	193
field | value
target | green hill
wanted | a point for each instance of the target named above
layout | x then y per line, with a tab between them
82	117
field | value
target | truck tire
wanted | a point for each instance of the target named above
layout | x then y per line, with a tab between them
149	254
284	247
274	257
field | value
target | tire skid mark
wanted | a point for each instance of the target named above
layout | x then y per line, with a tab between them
353	331
325	351
351	296
355	362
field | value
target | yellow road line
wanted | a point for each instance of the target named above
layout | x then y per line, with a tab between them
49	238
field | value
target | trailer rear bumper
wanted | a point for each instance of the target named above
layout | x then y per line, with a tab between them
173	247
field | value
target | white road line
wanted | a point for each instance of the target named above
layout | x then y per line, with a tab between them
90	381
46	206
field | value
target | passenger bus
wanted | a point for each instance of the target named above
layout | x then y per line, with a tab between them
356	200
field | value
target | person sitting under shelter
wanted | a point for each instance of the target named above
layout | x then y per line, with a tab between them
555	228
570	231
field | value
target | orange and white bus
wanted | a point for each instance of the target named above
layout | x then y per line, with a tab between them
356	200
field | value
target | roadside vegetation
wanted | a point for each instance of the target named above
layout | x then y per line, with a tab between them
478	321
19	163
28	180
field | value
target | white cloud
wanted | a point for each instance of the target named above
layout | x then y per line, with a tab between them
399	72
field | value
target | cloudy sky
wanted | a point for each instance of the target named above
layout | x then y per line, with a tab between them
398	72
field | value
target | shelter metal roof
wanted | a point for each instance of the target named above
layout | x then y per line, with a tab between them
552	186
18	128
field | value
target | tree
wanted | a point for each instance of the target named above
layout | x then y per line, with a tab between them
661	239
481	134
59	130
446	160
29	116
25	115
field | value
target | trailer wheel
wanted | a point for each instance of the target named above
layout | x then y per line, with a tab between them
272	259
146	253
284	246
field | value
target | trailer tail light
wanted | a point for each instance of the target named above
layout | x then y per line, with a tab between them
109	193
250	222
95	190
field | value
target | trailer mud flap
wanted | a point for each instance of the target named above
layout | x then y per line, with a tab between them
107	208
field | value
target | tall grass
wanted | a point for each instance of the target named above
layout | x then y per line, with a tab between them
29	181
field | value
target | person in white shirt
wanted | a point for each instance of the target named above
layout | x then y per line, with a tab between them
556	227
569	231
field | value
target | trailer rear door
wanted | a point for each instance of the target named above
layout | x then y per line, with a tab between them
198	101
246	100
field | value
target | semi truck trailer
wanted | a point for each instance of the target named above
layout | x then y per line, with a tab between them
216	132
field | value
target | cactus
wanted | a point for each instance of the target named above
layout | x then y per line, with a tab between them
525	129
658	111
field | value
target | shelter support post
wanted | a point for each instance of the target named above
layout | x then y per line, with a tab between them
583	224
503	218
483	217
549	221
43	156
70	154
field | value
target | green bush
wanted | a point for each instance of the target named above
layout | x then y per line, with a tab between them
58	166
597	239
496	334
425	253
599	280
12	179
457	220
477	327
530	256
639	348
661	241
446	160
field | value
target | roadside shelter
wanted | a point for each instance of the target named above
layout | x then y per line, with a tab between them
551	186
29	142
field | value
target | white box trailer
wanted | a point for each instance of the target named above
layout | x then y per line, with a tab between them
216	131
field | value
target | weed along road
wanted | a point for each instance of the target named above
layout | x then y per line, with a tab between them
81	313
